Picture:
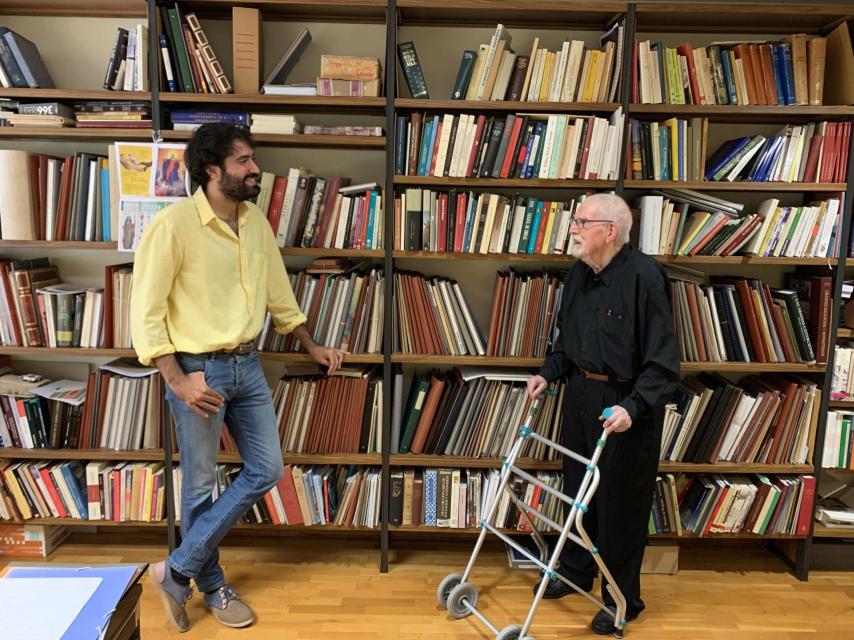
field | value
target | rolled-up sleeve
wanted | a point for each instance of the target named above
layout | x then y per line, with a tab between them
154	269
281	302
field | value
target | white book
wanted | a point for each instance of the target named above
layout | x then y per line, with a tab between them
447	125
573	65
560	73
548	147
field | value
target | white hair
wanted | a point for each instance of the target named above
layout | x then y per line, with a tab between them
609	206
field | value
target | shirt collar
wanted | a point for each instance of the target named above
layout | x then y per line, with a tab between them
608	274
206	212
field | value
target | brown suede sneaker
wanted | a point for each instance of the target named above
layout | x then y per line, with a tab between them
173	595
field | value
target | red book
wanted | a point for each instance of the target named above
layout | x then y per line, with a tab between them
688	51
509	157
442	239
805	508
460	226
475	147
274	211
290	502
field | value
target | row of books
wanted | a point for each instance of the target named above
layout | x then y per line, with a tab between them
127	68
668	226
21	65
472	413
306	210
189	62
814	152
572	74
763	419
114	114
343	310
521	145
523	322
343	496
470	222
38	310
319	414
433	317
457	498
838	452
739	320
44	197
43	489
34	422
715	504
790	72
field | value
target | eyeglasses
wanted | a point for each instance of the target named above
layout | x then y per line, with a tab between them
583	223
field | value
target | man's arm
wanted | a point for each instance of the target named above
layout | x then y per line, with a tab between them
331	358
659	358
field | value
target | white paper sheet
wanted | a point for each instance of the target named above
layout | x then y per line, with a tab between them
23	603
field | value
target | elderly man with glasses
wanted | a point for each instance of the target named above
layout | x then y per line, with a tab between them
616	348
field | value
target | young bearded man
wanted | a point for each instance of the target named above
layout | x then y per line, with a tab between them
206	272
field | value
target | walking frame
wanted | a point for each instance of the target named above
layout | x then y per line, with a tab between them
460	596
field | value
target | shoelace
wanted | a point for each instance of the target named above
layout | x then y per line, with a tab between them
226	595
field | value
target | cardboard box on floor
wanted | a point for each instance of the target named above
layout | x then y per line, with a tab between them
661	559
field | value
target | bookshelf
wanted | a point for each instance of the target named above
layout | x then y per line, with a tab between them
431	21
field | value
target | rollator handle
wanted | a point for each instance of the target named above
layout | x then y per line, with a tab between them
607	412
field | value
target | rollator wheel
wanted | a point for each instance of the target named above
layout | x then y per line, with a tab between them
510	632
446	586
464	593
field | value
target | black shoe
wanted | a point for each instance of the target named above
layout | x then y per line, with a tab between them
603	622
558	589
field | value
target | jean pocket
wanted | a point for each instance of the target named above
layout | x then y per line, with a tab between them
192	363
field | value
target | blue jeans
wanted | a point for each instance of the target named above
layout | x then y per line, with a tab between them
251	419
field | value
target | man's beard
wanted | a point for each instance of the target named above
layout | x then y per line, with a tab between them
236	189
577	249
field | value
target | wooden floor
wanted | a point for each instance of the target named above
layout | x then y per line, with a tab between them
331	588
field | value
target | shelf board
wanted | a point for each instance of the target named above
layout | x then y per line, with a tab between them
76	95
471	361
514	183
350	358
753	367
840	404
497	257
550	14
418	460
333	253
507	105
750	113
55	244
240	526
67	351
661	536
371	11
157	455
762	16
298	104
74	133
849	262
75	8
789	187
721	367
729	467
822	531
112	246
303	141
566	259
75	522
845	333
746	260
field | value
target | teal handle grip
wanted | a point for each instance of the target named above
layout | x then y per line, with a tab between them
607	411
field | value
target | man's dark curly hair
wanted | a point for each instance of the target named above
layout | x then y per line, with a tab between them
211	144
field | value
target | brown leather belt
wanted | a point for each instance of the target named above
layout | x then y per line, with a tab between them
601	377
239	350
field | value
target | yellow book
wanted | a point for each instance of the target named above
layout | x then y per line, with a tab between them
592	64
673	125
763	326
693	226
549	227
769	232
548	69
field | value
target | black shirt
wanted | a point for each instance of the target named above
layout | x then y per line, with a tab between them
619	322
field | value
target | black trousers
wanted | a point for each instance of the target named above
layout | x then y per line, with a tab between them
618	515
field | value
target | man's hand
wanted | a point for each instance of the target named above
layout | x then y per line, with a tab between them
192	389
536	386
328	356
619	421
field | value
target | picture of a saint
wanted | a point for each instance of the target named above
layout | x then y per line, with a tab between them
169	181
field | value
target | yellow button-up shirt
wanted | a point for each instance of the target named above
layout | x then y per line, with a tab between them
198	286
